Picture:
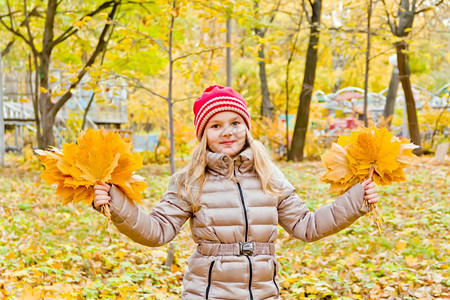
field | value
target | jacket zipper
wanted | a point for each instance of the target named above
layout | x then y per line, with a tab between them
209	278
274	278
245	210
246	239
250	280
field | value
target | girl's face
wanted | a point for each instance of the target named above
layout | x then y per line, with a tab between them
225	133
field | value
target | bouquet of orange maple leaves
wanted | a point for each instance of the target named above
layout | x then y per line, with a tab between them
367	152
97	156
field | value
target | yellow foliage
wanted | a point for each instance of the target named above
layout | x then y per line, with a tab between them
271	133
366	152
96	156
339	174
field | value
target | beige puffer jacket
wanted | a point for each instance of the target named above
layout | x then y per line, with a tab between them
230	213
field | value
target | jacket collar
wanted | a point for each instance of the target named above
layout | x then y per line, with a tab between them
221	163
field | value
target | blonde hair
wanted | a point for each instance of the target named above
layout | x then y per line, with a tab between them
191	179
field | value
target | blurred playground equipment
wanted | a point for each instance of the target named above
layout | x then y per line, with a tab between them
108	107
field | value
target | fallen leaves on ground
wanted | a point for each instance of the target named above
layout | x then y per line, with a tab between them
51	251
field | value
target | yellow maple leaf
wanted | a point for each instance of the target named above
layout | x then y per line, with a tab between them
343	140
366	152
373	148
96	156
339	172
337	163
406	156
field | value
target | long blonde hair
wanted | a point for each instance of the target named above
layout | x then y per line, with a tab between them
191	179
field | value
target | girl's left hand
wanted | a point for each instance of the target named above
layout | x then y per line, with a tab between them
370	191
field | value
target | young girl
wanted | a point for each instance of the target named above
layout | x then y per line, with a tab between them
234	197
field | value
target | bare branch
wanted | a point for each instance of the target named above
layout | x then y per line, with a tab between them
429	8
144	35
138	84
107	42
393	26
352	30
144	8
8	47
197	53
71	30
308	17
139	2
275	12
183	99
27	24
421	2
289	13
101	44
381	53
15	32
10	15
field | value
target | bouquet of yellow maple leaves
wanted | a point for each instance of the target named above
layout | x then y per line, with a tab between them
367	152
97	156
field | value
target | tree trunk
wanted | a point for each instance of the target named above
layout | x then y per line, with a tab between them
390	96
169	97
301	123
46	105
229	62
404	73
47	136
47	108
266	104
366	75
42	59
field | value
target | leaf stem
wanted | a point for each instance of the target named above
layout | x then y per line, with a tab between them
373	210
105	210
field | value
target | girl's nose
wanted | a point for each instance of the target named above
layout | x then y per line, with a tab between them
227	130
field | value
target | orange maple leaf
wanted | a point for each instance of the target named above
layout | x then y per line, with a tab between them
366	151
96	156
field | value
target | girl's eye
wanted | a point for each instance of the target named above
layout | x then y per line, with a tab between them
235	123
215	126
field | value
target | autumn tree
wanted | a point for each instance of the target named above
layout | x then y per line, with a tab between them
170	53
42	37
366	74
266	104
293	48
301	123
401	25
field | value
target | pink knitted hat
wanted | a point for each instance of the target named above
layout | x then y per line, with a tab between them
216	99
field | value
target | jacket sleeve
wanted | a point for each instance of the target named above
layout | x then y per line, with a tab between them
295	217
155	228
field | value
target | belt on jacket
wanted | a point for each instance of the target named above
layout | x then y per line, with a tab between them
241	248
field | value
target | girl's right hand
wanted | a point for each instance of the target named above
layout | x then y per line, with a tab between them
101	195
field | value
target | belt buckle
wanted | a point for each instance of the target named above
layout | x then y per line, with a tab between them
246	248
